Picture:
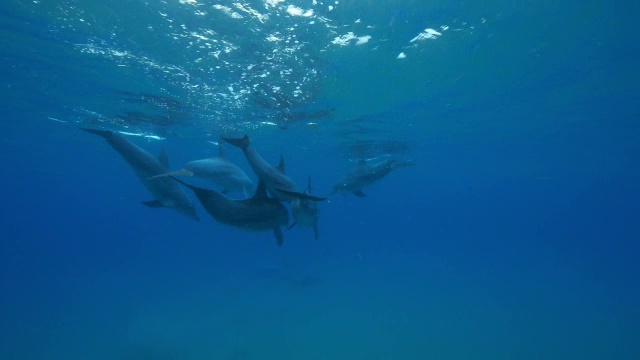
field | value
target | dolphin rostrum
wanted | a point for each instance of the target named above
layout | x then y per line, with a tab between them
366	174
258	213
305	212
274	177
166	191
218	169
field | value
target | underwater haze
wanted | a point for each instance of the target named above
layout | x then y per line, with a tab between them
512	234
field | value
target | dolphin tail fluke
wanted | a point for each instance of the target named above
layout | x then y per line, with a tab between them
104	133
301	196
279	237
241	143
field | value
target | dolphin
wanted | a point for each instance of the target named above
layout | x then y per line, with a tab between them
273	177
218	169
305	212
258	213
366	174
166	191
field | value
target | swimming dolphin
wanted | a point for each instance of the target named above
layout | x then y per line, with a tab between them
218	169
305	212
366	174
258	213
273	177
166	191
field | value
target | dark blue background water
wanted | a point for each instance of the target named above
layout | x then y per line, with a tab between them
514	236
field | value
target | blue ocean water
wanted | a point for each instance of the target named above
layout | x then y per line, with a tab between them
514	236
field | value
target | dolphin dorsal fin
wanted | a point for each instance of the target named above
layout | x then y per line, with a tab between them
261	191
221	148
280	166
164	159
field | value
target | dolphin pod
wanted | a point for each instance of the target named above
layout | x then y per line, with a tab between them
260	212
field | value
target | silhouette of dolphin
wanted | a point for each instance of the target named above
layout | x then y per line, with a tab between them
274	177
366	174
259	213
166	191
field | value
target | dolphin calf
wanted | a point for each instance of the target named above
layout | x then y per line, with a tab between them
305	212
259	213
166	191
273	177
219	170
366	174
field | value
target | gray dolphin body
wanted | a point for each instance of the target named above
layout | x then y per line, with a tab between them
166	191
259	213
305	212
366	174
219	170
274	177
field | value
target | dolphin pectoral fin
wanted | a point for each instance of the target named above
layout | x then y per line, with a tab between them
279	237
316	233
300	195
153	203
359	193
292	225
